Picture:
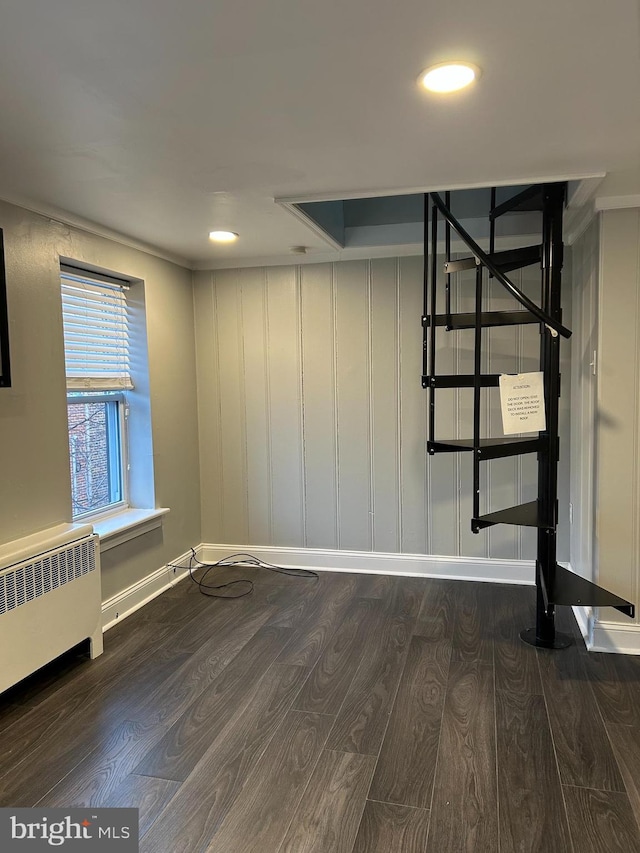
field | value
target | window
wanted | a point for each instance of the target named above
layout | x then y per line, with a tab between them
96	432
96	341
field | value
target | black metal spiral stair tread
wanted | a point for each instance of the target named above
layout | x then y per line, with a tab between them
530	199
506	261
487	319
523	515
460	380
569	588
489	448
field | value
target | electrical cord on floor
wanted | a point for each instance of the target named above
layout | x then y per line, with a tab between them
240	559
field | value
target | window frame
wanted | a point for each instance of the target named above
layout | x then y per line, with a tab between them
90	305
118	454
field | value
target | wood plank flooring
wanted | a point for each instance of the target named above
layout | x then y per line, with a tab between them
348	714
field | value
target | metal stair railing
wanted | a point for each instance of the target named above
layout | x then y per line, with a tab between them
553	325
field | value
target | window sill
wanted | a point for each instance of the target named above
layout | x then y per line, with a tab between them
120	527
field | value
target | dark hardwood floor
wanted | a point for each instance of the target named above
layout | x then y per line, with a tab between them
348	714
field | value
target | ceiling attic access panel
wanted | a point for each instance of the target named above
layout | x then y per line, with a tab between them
398	220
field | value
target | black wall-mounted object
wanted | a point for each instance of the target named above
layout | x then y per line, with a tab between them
5	361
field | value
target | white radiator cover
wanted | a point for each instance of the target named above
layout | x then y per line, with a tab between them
50	599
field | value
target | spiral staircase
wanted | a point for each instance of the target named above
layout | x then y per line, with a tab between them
555	585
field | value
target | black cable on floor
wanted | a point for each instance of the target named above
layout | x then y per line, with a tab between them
240	559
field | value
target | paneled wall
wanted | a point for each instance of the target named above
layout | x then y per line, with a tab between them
617	550
312	418
584	344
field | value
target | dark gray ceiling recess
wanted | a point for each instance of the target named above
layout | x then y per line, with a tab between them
398	219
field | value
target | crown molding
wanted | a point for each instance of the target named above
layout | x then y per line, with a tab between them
63	217
617	202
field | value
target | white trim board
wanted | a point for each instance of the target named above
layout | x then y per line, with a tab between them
64	217
126	602
130	523
376	562
599	636
584	618
617	202
350	253
615	637
506	182
603	636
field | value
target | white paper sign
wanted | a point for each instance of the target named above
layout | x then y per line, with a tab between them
522	401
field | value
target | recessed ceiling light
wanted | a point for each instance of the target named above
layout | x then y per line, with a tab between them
223	236
449	76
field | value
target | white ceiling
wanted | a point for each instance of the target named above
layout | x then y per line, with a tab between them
163	120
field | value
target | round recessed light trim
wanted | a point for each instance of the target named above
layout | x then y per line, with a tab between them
449	76
223	236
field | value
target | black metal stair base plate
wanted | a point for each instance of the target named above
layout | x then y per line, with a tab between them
560	641
570	588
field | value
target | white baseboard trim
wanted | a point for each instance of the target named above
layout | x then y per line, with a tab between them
599	636
119	606
615	637
584	618
126	602
376	562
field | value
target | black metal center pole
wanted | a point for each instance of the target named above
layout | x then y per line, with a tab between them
545	634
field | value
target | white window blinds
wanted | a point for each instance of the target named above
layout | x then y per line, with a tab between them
96	334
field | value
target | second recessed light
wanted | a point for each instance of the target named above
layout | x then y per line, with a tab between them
223	236
449	76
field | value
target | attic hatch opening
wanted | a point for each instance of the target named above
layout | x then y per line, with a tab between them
397	220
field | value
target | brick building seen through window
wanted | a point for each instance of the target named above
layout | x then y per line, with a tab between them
96	468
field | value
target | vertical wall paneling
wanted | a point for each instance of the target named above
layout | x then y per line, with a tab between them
334	344
384	405
520	538
257	404
618	400
318	388
354	439
471	544
413	417
208	379
529	279
444	468
583	387
564	465
228	310
313	421
285	384
303	480
503	486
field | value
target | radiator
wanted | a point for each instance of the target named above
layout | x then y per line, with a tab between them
50	599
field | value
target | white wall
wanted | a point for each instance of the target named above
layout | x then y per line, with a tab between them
584	344
312	418
618	408
35	490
